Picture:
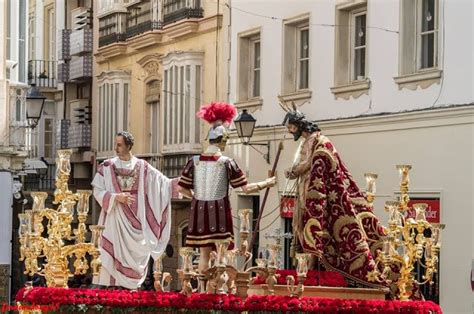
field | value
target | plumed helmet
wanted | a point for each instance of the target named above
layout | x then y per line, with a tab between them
220	116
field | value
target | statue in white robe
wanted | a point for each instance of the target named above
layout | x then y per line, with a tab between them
136	212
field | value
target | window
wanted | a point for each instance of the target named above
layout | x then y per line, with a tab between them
51	34
303	57
296	57
181	92
350	60
358	35
113	107
46	130
419	44
9	28
427	35
31	40
48	137
20	106
152	100
255	68
21	41
249	68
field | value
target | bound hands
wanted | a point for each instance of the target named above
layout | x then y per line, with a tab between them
289	174
125	198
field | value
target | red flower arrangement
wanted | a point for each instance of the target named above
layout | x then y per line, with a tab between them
90	299
326	278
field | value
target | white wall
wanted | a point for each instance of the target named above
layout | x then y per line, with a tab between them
437	141
382	58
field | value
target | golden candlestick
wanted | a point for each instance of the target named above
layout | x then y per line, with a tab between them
58	254
406	245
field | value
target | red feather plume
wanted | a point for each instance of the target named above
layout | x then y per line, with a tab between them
216	111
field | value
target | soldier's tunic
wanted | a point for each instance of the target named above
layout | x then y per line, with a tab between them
210	214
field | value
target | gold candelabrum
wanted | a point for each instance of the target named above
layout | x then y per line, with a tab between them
226	275
53	248
409	240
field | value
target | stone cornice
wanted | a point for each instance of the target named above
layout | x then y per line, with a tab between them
379	123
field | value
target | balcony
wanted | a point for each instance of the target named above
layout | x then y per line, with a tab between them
63	72
80	68
80	111
73	135
42	73
64	51
111	38
79	136
81	18
142	28
81	42
62	133
183	13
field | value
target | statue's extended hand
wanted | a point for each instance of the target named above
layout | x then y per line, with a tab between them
271	181
124	198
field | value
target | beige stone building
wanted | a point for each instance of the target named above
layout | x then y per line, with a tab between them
156	62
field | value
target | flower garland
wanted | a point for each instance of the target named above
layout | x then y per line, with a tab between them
99	300
326	278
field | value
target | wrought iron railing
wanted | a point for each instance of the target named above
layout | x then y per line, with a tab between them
142	28
37	182
170	165
111	38
43	73
183	13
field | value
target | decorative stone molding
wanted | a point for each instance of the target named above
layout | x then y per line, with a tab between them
299	96
354	90
151	64
422	79
110	51
349	4
252	104
150	38
114	74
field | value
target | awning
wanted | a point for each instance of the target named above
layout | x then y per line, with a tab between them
34	166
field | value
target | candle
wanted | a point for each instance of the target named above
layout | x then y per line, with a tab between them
370	180
403	171
420	210
83	201
386	247
244	220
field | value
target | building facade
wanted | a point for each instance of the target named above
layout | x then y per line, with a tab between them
13	127
156	62
389	82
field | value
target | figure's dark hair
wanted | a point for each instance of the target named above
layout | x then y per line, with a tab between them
299	120
127	137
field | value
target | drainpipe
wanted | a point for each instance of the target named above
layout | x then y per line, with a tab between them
229	56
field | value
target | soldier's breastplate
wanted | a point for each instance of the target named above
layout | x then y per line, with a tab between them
210	179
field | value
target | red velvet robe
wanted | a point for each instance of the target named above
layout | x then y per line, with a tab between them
337	223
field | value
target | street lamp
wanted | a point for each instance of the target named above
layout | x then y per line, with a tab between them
34	105
245	124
